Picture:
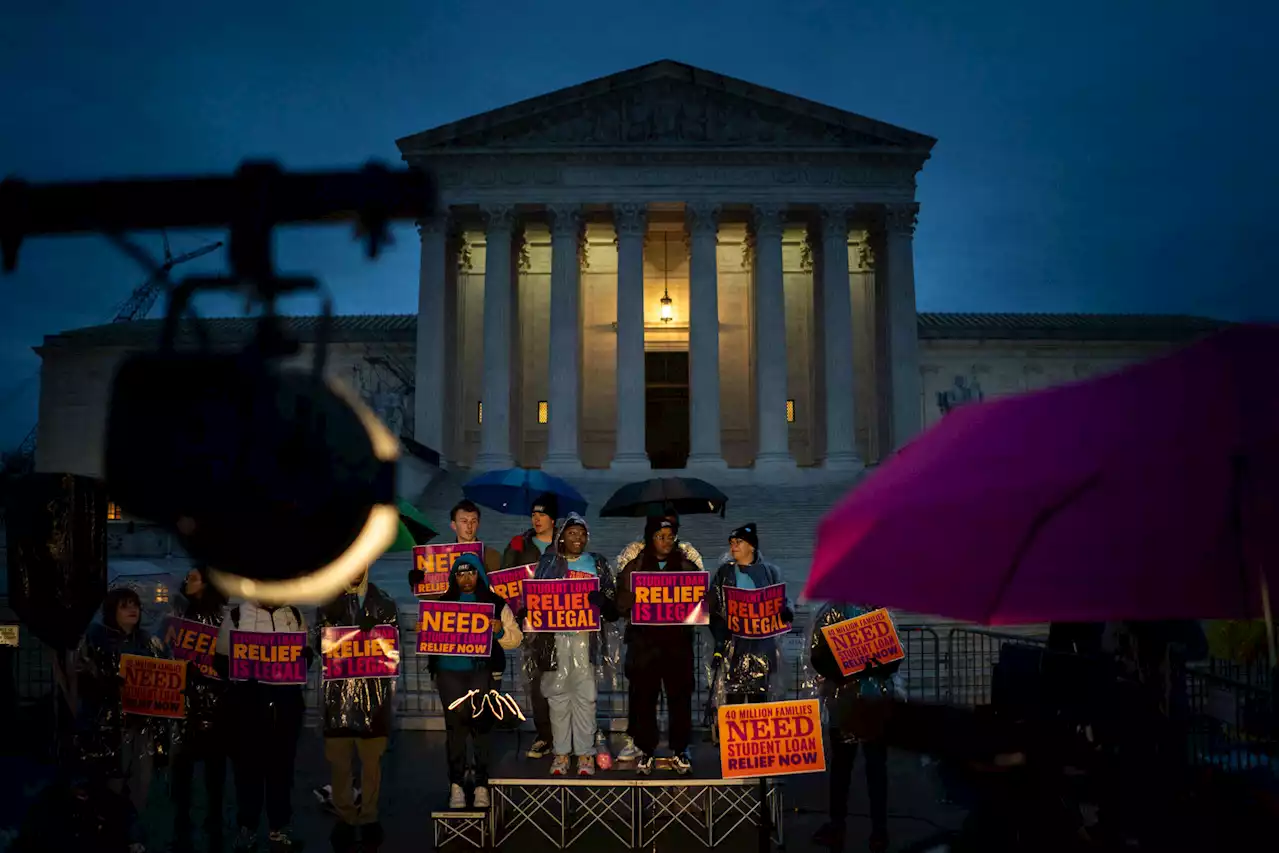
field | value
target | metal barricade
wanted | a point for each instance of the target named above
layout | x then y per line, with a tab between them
1232	725
971	655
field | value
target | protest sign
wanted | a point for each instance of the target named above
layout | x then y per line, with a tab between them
9	635
271	658
561	605
153	686
669	598
771	739
192	641
756	614
348	652
455	628
856	641
509	583
435	561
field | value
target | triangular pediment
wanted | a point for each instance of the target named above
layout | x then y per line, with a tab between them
666	105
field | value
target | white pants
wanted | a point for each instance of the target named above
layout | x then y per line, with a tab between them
570	691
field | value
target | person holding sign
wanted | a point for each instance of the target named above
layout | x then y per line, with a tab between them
464	520
746	646
267	718
119	746
357	714
203	735
842	693
456	675
659	656
523	550
567	660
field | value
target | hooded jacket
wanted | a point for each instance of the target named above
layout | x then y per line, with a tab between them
358	707
840	692
746	664
554	565
511	635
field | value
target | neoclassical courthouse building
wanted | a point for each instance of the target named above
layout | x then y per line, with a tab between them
663	268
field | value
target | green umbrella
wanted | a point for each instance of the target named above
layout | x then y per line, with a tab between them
414	528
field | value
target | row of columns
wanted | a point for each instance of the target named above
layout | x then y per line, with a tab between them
702	221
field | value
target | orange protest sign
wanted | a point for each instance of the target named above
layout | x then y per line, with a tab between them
153	687
856	641
771	739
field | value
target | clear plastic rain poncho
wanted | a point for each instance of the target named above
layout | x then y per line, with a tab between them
205	691
821	677
564	653
738	666
358	707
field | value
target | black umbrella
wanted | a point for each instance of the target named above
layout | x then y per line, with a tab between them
679	495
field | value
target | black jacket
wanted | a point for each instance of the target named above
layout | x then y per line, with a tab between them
521	551
650	646
359	707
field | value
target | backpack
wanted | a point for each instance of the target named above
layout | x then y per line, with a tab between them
235	615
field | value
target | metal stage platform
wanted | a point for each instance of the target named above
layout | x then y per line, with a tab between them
635	810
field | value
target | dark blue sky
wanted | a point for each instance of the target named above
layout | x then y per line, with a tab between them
1103	156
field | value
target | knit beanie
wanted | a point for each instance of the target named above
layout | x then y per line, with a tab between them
747	533
548	504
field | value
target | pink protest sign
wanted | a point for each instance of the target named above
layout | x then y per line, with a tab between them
669	598
271	658
455	628
348	652
561	605
509	583
434	561
756	614
192	641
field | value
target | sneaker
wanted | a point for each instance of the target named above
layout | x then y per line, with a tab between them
457	797
682	763
560	765
629	751
830	835
481	798
586	765
644	764
282	841
246	839
540	749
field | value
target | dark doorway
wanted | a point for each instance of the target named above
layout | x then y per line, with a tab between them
666	408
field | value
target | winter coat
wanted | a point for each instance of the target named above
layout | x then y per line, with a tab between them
633	550
510	637
554	565
491	558
840	693
745	665
648	645
204	694
251	616
358	707
104	729
521	551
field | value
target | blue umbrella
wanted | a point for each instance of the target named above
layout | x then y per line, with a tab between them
512	491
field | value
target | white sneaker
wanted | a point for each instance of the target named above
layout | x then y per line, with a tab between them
560	765
586	765
457	797
629	751
481	798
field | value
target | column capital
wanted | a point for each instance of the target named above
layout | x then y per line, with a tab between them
769	219
900	219
498	217
438	223
702	217
566	219
835	221
630	218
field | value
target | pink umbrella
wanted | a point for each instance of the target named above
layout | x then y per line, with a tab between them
1146	494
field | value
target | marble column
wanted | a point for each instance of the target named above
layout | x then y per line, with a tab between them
900	288
495	426
566	341
773	451
430	408
629	221
837	331
702	220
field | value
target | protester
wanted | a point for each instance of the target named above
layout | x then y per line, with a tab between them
456	676
523	550
658	657
464	521
629	751
357	718
566	661
743	667
119	747
266	721
203	735
841	695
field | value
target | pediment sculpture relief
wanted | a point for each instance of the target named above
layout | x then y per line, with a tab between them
667	113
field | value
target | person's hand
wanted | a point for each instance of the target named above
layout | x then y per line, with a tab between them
416	576
787	614
497	625
595	598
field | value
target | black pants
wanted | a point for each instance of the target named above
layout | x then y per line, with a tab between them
541	710
459	724
840	778
674	673
210	747
268	720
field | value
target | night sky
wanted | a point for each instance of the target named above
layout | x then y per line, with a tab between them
1098	156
